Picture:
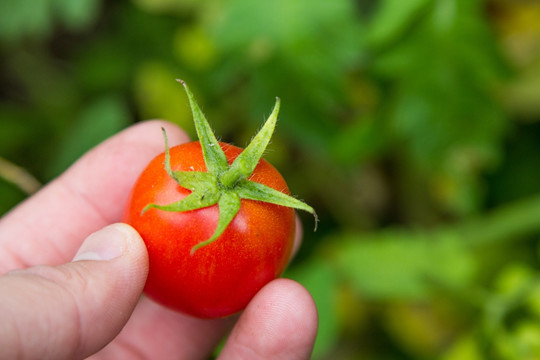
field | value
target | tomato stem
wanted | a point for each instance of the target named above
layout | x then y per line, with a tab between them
224	184
244	165
230	178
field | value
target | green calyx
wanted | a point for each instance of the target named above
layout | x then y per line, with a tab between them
224	184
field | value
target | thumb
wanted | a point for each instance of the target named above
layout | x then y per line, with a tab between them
73	310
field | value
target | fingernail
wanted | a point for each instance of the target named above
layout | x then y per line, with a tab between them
105	244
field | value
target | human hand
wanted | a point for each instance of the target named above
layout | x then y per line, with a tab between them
85	302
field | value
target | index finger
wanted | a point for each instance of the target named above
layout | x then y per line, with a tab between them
49	227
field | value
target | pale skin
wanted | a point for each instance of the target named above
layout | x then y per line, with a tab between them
71	283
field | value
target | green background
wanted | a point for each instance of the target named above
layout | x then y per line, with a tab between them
413	128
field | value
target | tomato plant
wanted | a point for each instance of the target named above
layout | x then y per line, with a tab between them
218	221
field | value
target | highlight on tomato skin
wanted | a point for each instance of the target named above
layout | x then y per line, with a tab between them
218	221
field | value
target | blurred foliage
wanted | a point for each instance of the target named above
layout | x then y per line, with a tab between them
413	127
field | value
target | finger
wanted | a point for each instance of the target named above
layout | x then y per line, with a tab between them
88	196
154	332
73	310
279	323
298	233
175	336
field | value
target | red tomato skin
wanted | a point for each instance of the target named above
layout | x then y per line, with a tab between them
221	278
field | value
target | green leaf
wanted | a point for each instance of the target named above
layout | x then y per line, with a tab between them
392	18
229	204
403	265
191	202
445	73
204	187
98	121
269	41
196	181
157	97
76	14
36	18
214	157
19	18
255	191
244	165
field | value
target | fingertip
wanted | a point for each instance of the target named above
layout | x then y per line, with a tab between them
134	243
280	322
292	309
84	303
152	129
298	234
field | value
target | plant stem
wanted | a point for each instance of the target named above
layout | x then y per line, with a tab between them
503	224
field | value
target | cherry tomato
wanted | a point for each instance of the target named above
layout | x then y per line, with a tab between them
218	221
222	277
